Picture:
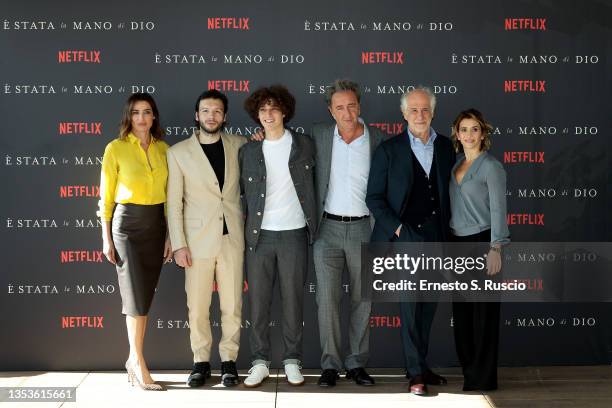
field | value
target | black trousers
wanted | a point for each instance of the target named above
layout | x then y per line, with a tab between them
476	327
417	317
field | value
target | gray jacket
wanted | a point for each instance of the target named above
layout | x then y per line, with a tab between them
253	184
323	136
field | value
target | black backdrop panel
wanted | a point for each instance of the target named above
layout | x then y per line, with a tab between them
539	70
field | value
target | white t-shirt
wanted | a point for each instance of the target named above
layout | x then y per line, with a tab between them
282	210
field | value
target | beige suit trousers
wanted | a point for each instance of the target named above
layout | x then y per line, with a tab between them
226	269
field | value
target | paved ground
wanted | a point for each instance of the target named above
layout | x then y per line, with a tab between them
575	387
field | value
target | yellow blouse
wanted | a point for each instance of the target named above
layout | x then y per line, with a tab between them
128	177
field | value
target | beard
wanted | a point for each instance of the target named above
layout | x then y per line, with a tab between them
210	131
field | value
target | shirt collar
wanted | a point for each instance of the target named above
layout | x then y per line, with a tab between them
133	139
365	131
414	139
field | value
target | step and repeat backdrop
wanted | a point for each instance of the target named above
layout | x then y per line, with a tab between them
539	70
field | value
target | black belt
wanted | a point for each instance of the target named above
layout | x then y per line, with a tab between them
343	218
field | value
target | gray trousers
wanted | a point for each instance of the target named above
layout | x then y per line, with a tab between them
281	255
339	244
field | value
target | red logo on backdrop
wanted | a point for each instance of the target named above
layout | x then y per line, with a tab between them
523	157
232	23
90	57
79	191
382	57
525	219
536	285
385	321
80	256
90	322
525	24
77	128
525	86
390	128
229	85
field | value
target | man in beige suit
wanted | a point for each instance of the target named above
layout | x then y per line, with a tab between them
207	229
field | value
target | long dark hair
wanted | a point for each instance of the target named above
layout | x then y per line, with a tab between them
126	120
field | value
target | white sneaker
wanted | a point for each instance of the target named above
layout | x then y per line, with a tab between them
294	376
257	374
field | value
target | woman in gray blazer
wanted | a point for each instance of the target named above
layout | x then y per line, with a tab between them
478	214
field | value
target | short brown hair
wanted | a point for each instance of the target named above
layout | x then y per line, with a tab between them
342	85
126	120
277	95
485	127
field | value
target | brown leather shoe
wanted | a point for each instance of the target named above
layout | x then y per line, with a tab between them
432	378
418	386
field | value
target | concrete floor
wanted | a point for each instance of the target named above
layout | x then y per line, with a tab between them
575	387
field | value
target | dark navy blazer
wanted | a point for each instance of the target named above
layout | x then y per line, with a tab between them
390	184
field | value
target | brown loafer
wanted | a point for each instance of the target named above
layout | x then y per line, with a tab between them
418	386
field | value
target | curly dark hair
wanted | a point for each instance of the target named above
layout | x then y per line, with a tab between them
277	95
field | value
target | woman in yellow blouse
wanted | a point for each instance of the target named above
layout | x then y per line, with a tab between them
132	197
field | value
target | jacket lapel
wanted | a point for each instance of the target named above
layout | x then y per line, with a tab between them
324	156
405	167
228	152
372	139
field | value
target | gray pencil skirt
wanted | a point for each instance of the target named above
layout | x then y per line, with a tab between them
139	233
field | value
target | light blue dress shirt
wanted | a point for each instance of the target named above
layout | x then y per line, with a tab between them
423	152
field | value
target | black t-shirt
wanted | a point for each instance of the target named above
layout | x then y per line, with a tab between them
216	157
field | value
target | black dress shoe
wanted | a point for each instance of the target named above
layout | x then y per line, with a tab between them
360	376
328	378
199	374
229	374
432	378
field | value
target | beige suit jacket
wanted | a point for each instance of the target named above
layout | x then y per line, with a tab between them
196	206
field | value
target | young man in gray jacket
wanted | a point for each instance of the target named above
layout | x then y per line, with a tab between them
277	185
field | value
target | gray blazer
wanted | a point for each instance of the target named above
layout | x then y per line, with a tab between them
253	184
479	202
323	136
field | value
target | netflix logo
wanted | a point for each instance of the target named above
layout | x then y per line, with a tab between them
229	85
511	24
80	128
88	57
389	128
385	321
231	23
79	191
525	219
523	157
89	322
525	86
378	57
73	256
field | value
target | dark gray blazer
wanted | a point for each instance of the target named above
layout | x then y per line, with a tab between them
323	136
253	184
